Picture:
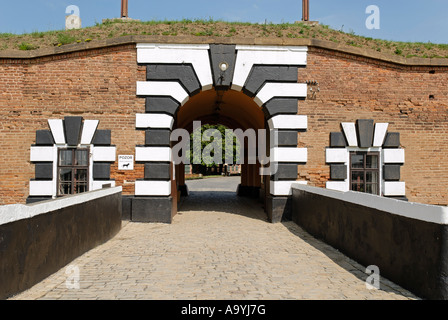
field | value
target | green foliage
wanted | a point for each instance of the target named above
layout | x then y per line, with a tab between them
65	38
6	35
209	143
27	46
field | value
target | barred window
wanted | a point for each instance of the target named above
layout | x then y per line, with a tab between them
364	172
73	171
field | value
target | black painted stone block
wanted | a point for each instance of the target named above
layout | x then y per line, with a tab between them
126	204
401	198
31	200
365	132
44	138
281	106
152	209
102	138
184	73
101	171
338	172
72	130
278	208
337	140
161	105
287	138
222	53
392	140
285	171
43	171
261	74
157	171
155	137
391	172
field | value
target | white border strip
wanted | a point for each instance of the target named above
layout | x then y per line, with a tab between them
15	212
419	211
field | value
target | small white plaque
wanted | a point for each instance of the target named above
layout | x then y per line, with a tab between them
125	162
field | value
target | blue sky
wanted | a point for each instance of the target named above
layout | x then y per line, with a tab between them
400	20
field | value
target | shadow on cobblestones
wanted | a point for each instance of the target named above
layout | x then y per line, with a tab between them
219	194
223	201
343	261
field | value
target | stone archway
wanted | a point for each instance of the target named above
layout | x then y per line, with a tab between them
234	110
268	78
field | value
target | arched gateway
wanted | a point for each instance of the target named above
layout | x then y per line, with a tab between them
243	87
255	87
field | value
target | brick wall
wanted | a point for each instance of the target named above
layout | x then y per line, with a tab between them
101	84
95	84
354	88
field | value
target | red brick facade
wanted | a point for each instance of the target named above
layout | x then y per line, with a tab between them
100	84
354	88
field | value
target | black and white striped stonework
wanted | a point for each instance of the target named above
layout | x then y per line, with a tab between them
64	133
364	135
267	74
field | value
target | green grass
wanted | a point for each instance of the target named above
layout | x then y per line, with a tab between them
26	46
64	38
217	28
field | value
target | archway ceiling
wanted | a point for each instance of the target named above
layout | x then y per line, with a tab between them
237	110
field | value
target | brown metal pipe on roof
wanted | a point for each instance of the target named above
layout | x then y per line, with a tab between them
305	10
124	8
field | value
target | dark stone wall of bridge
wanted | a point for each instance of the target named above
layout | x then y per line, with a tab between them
32	248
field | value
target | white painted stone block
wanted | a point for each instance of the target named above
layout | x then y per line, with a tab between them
350	133
42	154
283	188
271	90
394	188
248	56
57	130
380	134
147	154
195	54
162	88
104	154
393	155
41	188
337	185
88	131
284	154
152	188
96	184
336	155
288	122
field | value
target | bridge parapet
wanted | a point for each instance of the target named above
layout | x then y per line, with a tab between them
37	240
406	241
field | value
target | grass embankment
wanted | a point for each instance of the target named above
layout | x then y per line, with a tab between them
210	28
